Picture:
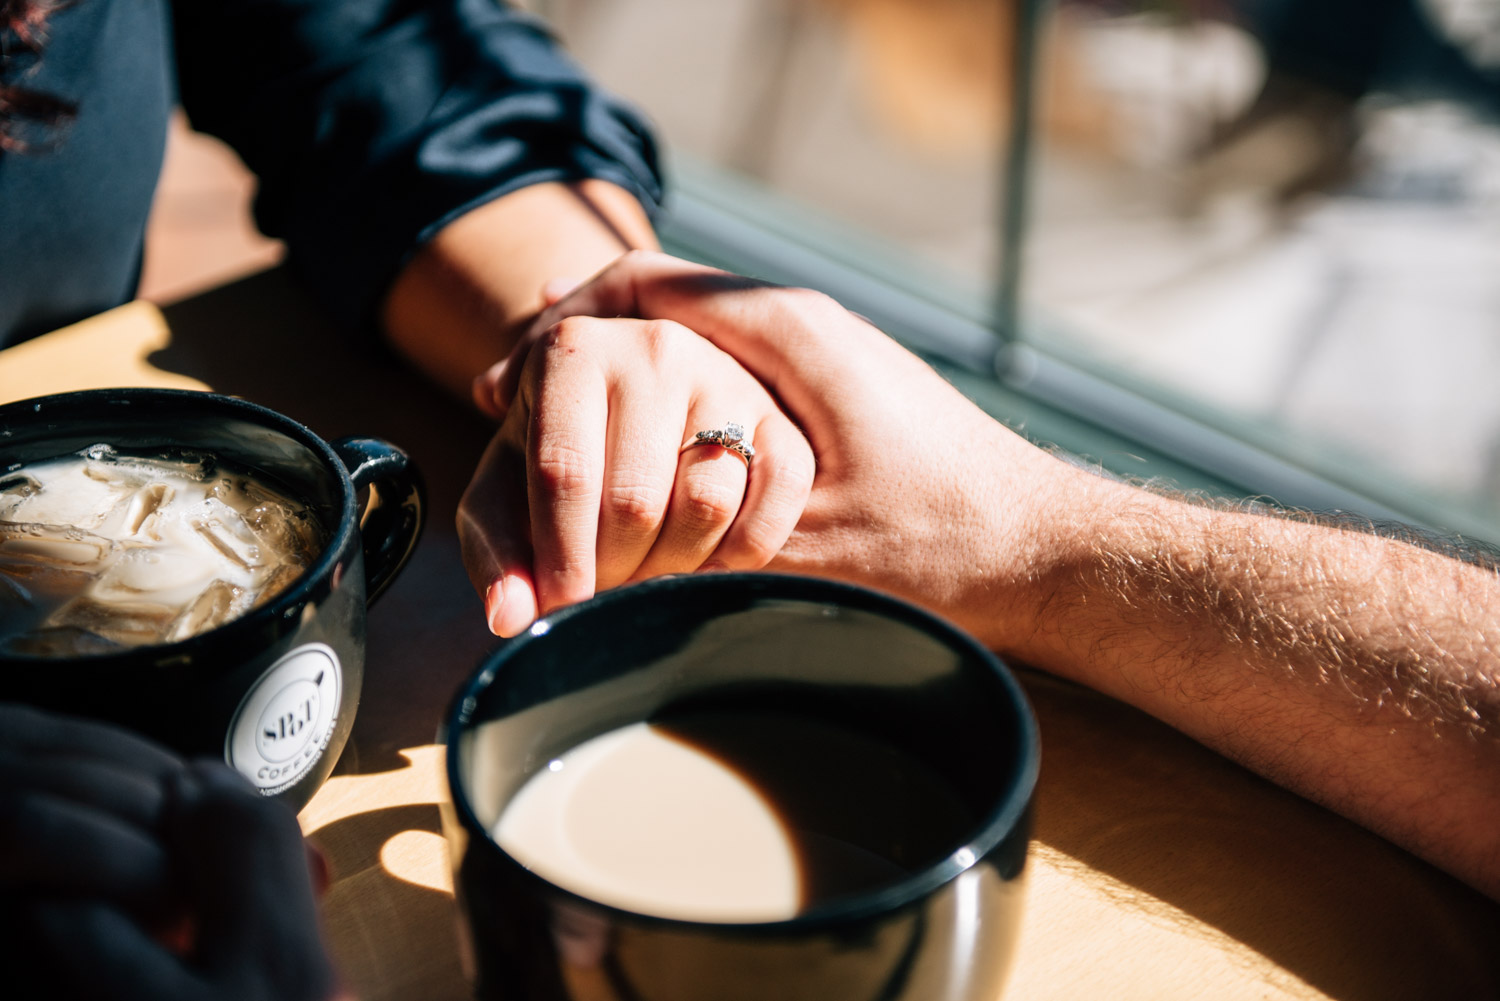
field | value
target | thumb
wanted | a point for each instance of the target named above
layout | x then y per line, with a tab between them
494	535
554	290
495	388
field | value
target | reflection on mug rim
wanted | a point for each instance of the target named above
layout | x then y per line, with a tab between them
1005	818
338	533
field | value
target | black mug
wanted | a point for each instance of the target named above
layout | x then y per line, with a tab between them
816	650
273	691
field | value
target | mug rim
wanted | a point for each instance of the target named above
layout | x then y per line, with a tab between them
1005	818
243	624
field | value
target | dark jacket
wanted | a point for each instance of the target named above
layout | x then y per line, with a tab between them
369	123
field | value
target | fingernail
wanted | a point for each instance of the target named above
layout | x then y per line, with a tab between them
494	604
714	566
483	392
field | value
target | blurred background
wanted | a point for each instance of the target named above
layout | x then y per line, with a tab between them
1249	245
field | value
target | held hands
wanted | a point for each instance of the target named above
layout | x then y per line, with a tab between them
917	491
592	480
126	873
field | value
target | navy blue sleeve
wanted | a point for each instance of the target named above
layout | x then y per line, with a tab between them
372	123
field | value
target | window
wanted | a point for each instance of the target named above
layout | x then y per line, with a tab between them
1261	248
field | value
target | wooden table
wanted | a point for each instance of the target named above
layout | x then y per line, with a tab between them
1161	870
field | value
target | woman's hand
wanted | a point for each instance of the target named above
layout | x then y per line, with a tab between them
594	479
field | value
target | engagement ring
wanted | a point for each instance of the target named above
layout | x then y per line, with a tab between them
731	438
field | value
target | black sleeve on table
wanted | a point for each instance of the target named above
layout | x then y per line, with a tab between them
372	123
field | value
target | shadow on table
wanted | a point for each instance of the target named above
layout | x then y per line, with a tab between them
422	961
1165	818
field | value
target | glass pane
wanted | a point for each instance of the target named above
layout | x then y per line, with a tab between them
1283	216
874	125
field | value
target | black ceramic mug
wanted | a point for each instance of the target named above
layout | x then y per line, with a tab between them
275	690
833	655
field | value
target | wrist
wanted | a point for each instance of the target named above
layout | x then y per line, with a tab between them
1037	515
470	292
1056	599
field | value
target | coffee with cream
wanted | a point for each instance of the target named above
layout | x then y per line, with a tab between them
102	550
728	816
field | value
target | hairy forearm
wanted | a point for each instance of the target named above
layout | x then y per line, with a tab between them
462	301
1358	670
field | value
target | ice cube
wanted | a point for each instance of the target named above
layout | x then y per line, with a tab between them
148	571
35	582
197	466
224	529
102	459
218	535
102	464
130	623
144	503
258	492
218	603
54	545
68	492
285	534
30	591
279	580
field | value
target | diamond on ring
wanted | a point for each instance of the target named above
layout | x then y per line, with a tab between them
731	438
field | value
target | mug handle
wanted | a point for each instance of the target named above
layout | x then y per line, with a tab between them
391	522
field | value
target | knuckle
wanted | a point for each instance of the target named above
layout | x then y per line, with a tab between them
560	467
817	313
813	301
635	257
663	338
636	507
757	546
709	502
568	333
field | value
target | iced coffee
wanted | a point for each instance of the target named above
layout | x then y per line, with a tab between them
101	550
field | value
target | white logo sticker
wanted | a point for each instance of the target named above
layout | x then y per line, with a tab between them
284	722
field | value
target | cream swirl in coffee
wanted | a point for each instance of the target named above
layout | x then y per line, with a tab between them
101	550
640	820
731	815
